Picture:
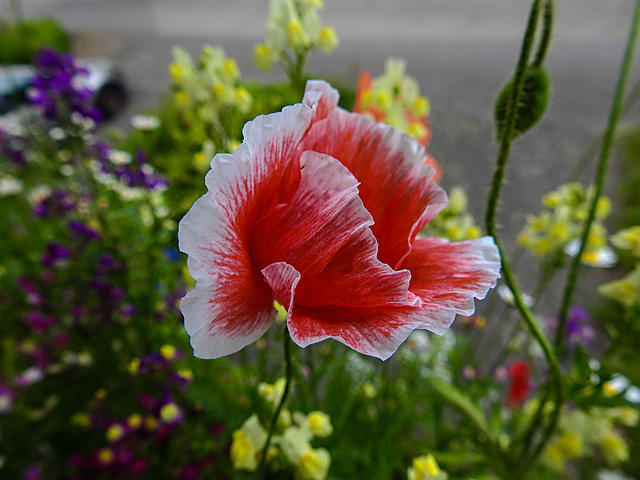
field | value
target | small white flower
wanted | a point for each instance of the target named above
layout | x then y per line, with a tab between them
145	123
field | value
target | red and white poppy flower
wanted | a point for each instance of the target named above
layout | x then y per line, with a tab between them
319	209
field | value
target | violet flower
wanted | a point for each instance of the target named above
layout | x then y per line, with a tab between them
58	90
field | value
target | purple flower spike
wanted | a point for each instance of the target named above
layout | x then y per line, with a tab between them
58	90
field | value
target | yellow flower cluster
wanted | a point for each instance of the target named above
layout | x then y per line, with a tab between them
425	467
582	433
205	90
455	222
296	25
394	98
626	290
290	447
562	221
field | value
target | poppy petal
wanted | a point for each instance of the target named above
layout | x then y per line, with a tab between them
329	243
231	306
396	186
375	331
448	276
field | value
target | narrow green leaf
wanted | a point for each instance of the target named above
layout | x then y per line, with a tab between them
457	398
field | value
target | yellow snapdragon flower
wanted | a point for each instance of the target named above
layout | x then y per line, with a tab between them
247	444
425	467
272	393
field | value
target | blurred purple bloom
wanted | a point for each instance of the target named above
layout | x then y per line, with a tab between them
56	204
79	229
57	88
13	147
6	399
39	323
578	329
106	263
137	173
30	290
55	254
33	473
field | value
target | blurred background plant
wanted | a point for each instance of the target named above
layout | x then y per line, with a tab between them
97	379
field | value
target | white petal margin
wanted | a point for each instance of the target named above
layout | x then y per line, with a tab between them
231	306
448	276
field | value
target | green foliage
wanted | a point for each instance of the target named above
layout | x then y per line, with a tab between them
629	214
20	41
533	102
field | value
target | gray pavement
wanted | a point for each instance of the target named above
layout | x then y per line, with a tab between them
461	51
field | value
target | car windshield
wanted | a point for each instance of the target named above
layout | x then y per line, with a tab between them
14	82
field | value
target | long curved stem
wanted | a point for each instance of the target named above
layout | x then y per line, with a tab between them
547	28
287	387
616	109
494	195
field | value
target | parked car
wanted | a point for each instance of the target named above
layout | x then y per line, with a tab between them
104	79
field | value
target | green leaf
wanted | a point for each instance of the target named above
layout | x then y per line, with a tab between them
462	402
532	105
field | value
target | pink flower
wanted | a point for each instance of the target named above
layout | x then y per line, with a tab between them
319	209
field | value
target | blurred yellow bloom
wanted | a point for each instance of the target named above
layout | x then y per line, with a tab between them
425	467
177	72
170	412
625	291
628	239
320	424
417	130
296	36
263	57
570	445
615	449
420	106
383	101
328	40
81	419
150	422
314	464
168	352
627	416
247	444
553	457
242	99
115	432
105	456
134	421
230	70
272	393
185	373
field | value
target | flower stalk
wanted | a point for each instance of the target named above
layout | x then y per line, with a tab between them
506	137
287	387
607	143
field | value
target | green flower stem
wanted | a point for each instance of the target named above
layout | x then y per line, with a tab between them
607	143
494	195
287	386
592	149
547	28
